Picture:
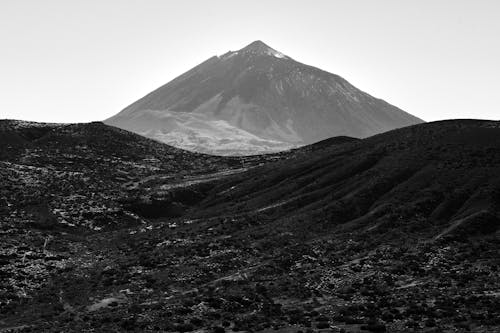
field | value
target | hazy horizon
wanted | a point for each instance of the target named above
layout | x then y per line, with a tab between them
80	61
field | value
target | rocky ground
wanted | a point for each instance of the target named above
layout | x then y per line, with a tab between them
129	239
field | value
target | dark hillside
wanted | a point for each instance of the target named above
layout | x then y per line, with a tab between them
447	173
105	231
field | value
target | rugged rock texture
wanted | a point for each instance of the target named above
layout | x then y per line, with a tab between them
102	231
257	100
444	176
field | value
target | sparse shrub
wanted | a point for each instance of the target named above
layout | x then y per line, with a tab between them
196	321
183	327
322	325
128	324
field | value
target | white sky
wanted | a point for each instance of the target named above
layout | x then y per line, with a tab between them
77	61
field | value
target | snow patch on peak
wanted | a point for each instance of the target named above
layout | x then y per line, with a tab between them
276	54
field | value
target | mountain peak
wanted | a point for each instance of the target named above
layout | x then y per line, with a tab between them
256	45
255	100
261	48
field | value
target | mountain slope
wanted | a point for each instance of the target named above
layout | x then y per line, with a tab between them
61	183
436	179
257	100
80	171
393	233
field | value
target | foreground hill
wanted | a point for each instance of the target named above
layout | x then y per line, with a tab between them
82	168
257	100
62	182
397	232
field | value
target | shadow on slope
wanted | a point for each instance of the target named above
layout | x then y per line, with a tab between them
439	178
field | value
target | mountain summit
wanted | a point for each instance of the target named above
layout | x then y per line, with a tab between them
257	100
260	48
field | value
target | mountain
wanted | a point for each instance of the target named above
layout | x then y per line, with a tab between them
103	230
257	100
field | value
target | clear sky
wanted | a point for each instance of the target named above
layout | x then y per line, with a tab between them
77	61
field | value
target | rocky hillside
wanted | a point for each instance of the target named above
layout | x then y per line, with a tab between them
83	169
398	232
60	183
443	175
257	100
